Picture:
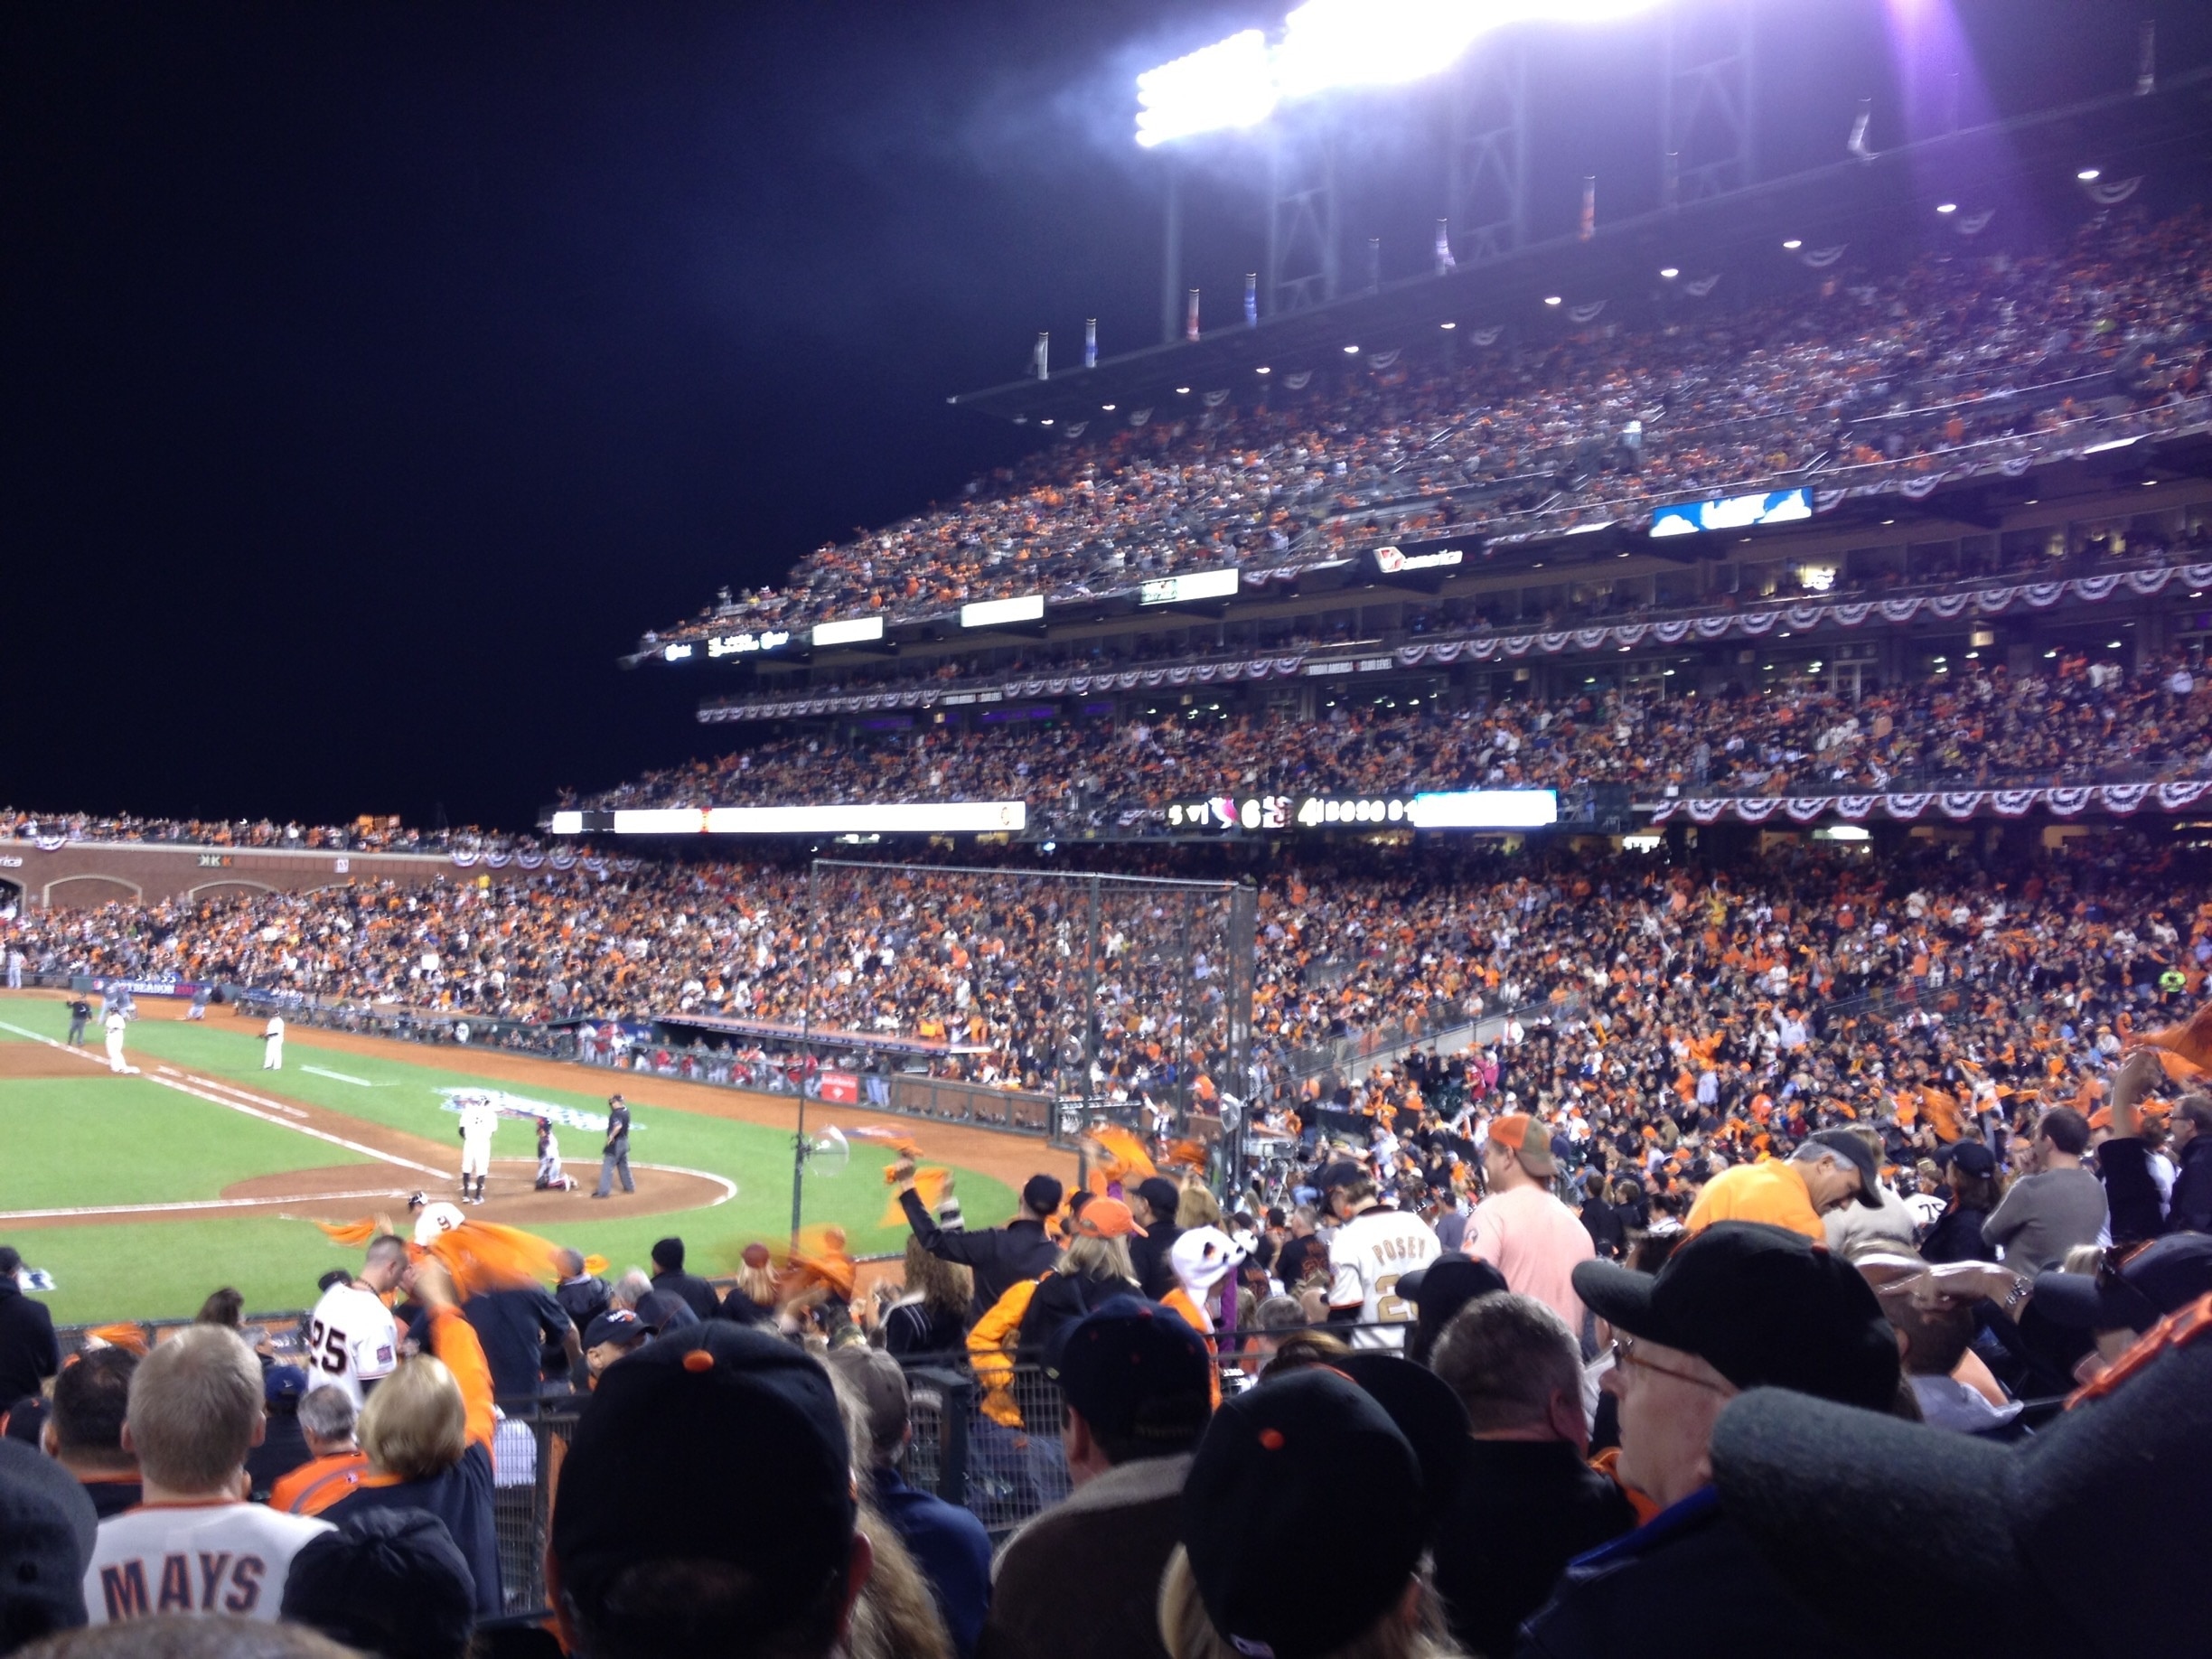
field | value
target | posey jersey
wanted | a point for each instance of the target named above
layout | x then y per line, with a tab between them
351	1339
1367	1257
193	1558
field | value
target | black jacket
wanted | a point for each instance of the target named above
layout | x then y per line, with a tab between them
2191	1208
1525	1509
1061	1300
29	1354
692	1290
999	1257
1148	1256
1956	1236
1689	1584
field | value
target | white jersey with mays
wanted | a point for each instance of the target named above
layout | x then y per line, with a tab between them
351	1339
1366	1259
194	1558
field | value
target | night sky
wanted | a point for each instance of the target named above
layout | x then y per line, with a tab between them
373	376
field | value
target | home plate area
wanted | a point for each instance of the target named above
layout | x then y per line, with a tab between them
336	1193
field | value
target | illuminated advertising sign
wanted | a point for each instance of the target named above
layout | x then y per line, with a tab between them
909	818
746	644
854	631
1198	585
1480	809
1733	513
675	653
997	612
1395	561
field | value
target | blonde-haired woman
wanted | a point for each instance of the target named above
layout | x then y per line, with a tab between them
427	1433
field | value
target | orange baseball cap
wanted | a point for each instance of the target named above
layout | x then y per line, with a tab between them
1528	1140
1105	1218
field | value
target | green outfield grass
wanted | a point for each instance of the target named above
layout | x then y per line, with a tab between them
105	1140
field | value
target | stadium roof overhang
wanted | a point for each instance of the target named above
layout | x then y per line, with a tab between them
2026	158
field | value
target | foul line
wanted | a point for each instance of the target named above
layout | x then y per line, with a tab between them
183	1082
196	1204
358	1082
248	1095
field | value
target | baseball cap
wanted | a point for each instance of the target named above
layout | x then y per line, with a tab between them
1341	1173
1763	1306
1527	1138
718	1443
615	1325
1041	1195
669	1253
1428	1413
47	1530
1992	1560
1971	1157
1162	1194
1105	1218
1271	1476
385	1581
1203	1256
1441	1289
1135	1371
1844	1144
2150	1283
283	1382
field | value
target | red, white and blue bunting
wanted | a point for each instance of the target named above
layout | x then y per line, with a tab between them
1958	805
1799	618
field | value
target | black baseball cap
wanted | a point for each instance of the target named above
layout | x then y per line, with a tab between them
1135	1370
1977	1546
1764	1307
718	1442
615	1325
1273	1474
1163	1194
47	1530
1844	1144
1041	1195
1440	1289
386	1581
669	1253
2151	1283
1426	1412
1971	1156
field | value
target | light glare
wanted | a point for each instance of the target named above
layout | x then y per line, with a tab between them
1228	84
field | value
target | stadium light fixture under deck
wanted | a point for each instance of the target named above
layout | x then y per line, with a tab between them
1327	44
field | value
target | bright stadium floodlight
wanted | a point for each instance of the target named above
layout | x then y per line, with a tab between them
1228	84
1327	44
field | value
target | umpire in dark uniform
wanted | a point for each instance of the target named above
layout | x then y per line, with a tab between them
1000	1257
80	1014
614	1156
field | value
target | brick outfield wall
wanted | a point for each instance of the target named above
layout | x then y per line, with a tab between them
86	874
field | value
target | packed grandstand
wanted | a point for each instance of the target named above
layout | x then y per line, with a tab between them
1857	991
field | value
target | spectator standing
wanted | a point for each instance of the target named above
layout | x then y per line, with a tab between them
29	1354
1829	1171
1530	1504
84	1430
999	1257
614	1153
947	1544
327	1420
284	1448
352	1339
1890	1218
670	1278
516	1325
427	1431
1374	1246
933	1315
2047	1213
1521	1229
706	1506
194	1545
1155	1203
2191	1210
1739	1305
1079	1581
614	1334
1956	1235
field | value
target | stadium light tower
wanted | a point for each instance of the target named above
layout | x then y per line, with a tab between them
1245	80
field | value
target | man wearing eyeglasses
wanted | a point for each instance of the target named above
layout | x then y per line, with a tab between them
1739	1305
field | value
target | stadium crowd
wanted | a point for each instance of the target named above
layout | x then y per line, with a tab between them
2078	717
1863	376
1551	1418
363	835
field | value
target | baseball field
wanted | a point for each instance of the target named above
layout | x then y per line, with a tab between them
140	1192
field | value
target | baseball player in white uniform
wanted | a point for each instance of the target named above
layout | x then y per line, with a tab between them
114	1024
352	1341
272	1043
479	1118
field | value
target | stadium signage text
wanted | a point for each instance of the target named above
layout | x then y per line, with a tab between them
1480	809
1395	561
889	818
744	644
1180	589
